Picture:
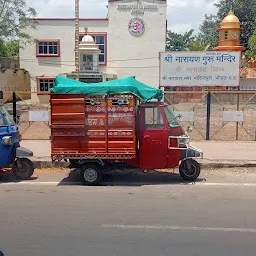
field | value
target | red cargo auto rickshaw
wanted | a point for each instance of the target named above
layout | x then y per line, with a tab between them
92	125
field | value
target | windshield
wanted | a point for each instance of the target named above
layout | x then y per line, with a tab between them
5	118
171	118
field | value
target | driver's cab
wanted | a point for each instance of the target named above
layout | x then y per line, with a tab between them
11	154
9	138
161	136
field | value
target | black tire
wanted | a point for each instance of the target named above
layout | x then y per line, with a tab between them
189	174
91	174
23	168
1	177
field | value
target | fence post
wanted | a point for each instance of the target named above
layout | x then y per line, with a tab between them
14	106
237	108
208	118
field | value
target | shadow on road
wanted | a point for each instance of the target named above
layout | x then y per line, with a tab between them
8	177
132	177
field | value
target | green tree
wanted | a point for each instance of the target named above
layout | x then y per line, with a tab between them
251	52
246	12
2	48
15	17
179	42
12	49
185	42
208	30
198	45
9	49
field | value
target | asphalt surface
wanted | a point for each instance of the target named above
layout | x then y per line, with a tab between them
211	217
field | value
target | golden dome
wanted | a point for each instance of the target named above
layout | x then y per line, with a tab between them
230	21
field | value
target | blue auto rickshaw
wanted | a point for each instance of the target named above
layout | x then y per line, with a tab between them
11	154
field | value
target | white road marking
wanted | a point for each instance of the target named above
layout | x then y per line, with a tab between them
51	183
179	228
55	183
225	184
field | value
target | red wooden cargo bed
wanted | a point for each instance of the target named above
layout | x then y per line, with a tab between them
97	127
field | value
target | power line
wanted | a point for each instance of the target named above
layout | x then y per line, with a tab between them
120	60
66	63
73	65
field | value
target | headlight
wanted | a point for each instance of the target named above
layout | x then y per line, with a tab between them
7	140
183	141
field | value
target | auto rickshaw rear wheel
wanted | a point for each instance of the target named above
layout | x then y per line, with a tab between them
91	174
189	169
23	168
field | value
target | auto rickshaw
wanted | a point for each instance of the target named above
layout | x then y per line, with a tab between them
12	155
95	126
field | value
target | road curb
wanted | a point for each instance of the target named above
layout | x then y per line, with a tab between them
217	165
42	164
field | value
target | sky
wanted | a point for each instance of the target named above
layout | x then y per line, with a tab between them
183	15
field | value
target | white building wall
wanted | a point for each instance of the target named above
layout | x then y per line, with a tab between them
144	49
63	30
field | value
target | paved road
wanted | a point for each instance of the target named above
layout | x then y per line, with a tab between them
172	219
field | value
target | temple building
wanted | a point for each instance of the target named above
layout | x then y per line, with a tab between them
126	43
229	40
229	34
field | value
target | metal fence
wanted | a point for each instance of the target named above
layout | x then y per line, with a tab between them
33	119
216	115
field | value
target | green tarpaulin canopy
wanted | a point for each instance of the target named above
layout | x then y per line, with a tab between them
126	85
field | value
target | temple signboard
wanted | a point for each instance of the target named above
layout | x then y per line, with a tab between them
200	69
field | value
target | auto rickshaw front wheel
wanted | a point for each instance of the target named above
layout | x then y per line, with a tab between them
23	168
189	169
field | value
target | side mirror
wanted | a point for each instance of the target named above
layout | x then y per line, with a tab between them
189	129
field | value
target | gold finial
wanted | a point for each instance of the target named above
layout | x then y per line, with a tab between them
230	21
86	31
231	12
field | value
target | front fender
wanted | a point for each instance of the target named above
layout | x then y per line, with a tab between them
23	152
191	152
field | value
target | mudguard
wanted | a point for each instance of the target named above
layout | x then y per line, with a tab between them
23	152
191	152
